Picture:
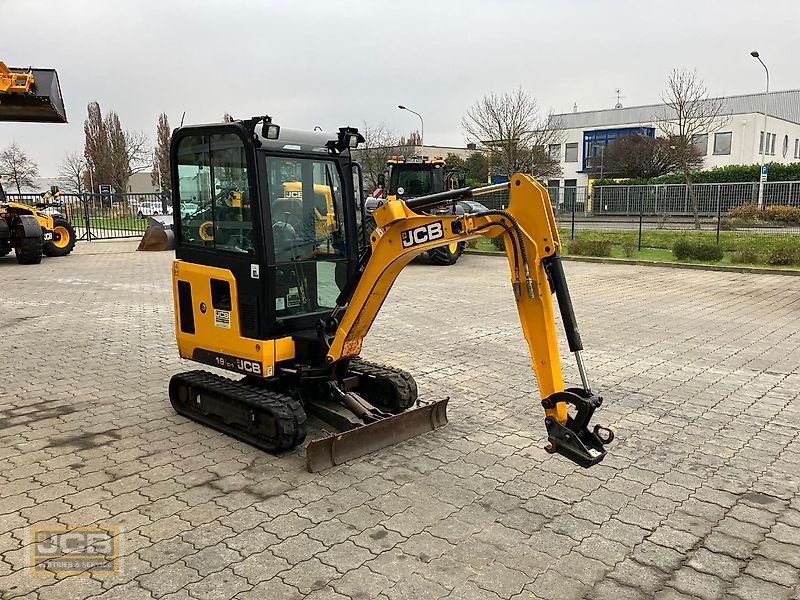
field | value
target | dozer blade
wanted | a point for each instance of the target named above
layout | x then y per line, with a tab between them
43	103
158	235
341	447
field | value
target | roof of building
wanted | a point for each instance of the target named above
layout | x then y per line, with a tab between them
782	105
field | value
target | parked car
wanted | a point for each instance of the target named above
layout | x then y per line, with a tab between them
150	208
189	208
472	207
462	206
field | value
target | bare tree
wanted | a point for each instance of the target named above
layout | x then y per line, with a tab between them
72	173
379	145
517	135
129	153
160	177
689	113
642	156
408	146
16	166
96	150
113	154
117	147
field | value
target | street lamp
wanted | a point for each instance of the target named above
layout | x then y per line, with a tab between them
755	55
421	122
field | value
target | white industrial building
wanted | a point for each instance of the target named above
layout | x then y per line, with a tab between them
738	141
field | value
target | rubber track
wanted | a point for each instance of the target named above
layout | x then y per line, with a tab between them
402	382
288	418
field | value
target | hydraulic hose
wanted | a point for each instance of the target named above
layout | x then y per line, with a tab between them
511	236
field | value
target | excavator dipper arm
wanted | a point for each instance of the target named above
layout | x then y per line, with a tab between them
532	246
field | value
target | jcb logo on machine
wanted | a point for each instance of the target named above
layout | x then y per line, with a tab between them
48	236
422	234
241	365
222	318
248	366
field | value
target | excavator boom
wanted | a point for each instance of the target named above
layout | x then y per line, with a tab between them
532	246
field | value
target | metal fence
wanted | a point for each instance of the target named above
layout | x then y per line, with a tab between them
650	216
655	216
103	216
713	199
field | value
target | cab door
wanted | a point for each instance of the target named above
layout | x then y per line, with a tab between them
216	212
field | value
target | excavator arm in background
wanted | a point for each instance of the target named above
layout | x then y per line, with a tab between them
532	246
32	95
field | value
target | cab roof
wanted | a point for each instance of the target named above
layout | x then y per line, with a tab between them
298	140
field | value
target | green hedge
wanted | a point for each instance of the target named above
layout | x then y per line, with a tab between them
730	241
589	247
783	254
700	250
729	174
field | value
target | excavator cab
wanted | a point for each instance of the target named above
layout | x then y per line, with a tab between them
276	280
32	95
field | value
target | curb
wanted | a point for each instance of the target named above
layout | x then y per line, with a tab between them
672	265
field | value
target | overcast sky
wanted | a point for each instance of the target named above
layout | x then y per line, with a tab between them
333	63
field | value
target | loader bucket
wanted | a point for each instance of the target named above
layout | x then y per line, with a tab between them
43	103
158	236
341	447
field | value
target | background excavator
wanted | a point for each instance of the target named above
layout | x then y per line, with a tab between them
32	95
417	176
286	304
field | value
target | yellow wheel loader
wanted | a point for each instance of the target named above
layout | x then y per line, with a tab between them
417	176
32	95
285	304
32	233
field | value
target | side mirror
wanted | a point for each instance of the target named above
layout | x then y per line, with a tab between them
382	180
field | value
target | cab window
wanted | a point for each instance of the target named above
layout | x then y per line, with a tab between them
214	193
308	233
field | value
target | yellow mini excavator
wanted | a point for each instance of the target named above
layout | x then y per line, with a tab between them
268	294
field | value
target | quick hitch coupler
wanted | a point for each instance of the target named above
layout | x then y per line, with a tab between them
573	440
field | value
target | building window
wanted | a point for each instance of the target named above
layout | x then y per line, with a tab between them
785	149
722	143
701	143
555	152
597	139
554	191
571	152
797	148
769	147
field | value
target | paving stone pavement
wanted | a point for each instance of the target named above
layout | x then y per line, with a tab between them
699	496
